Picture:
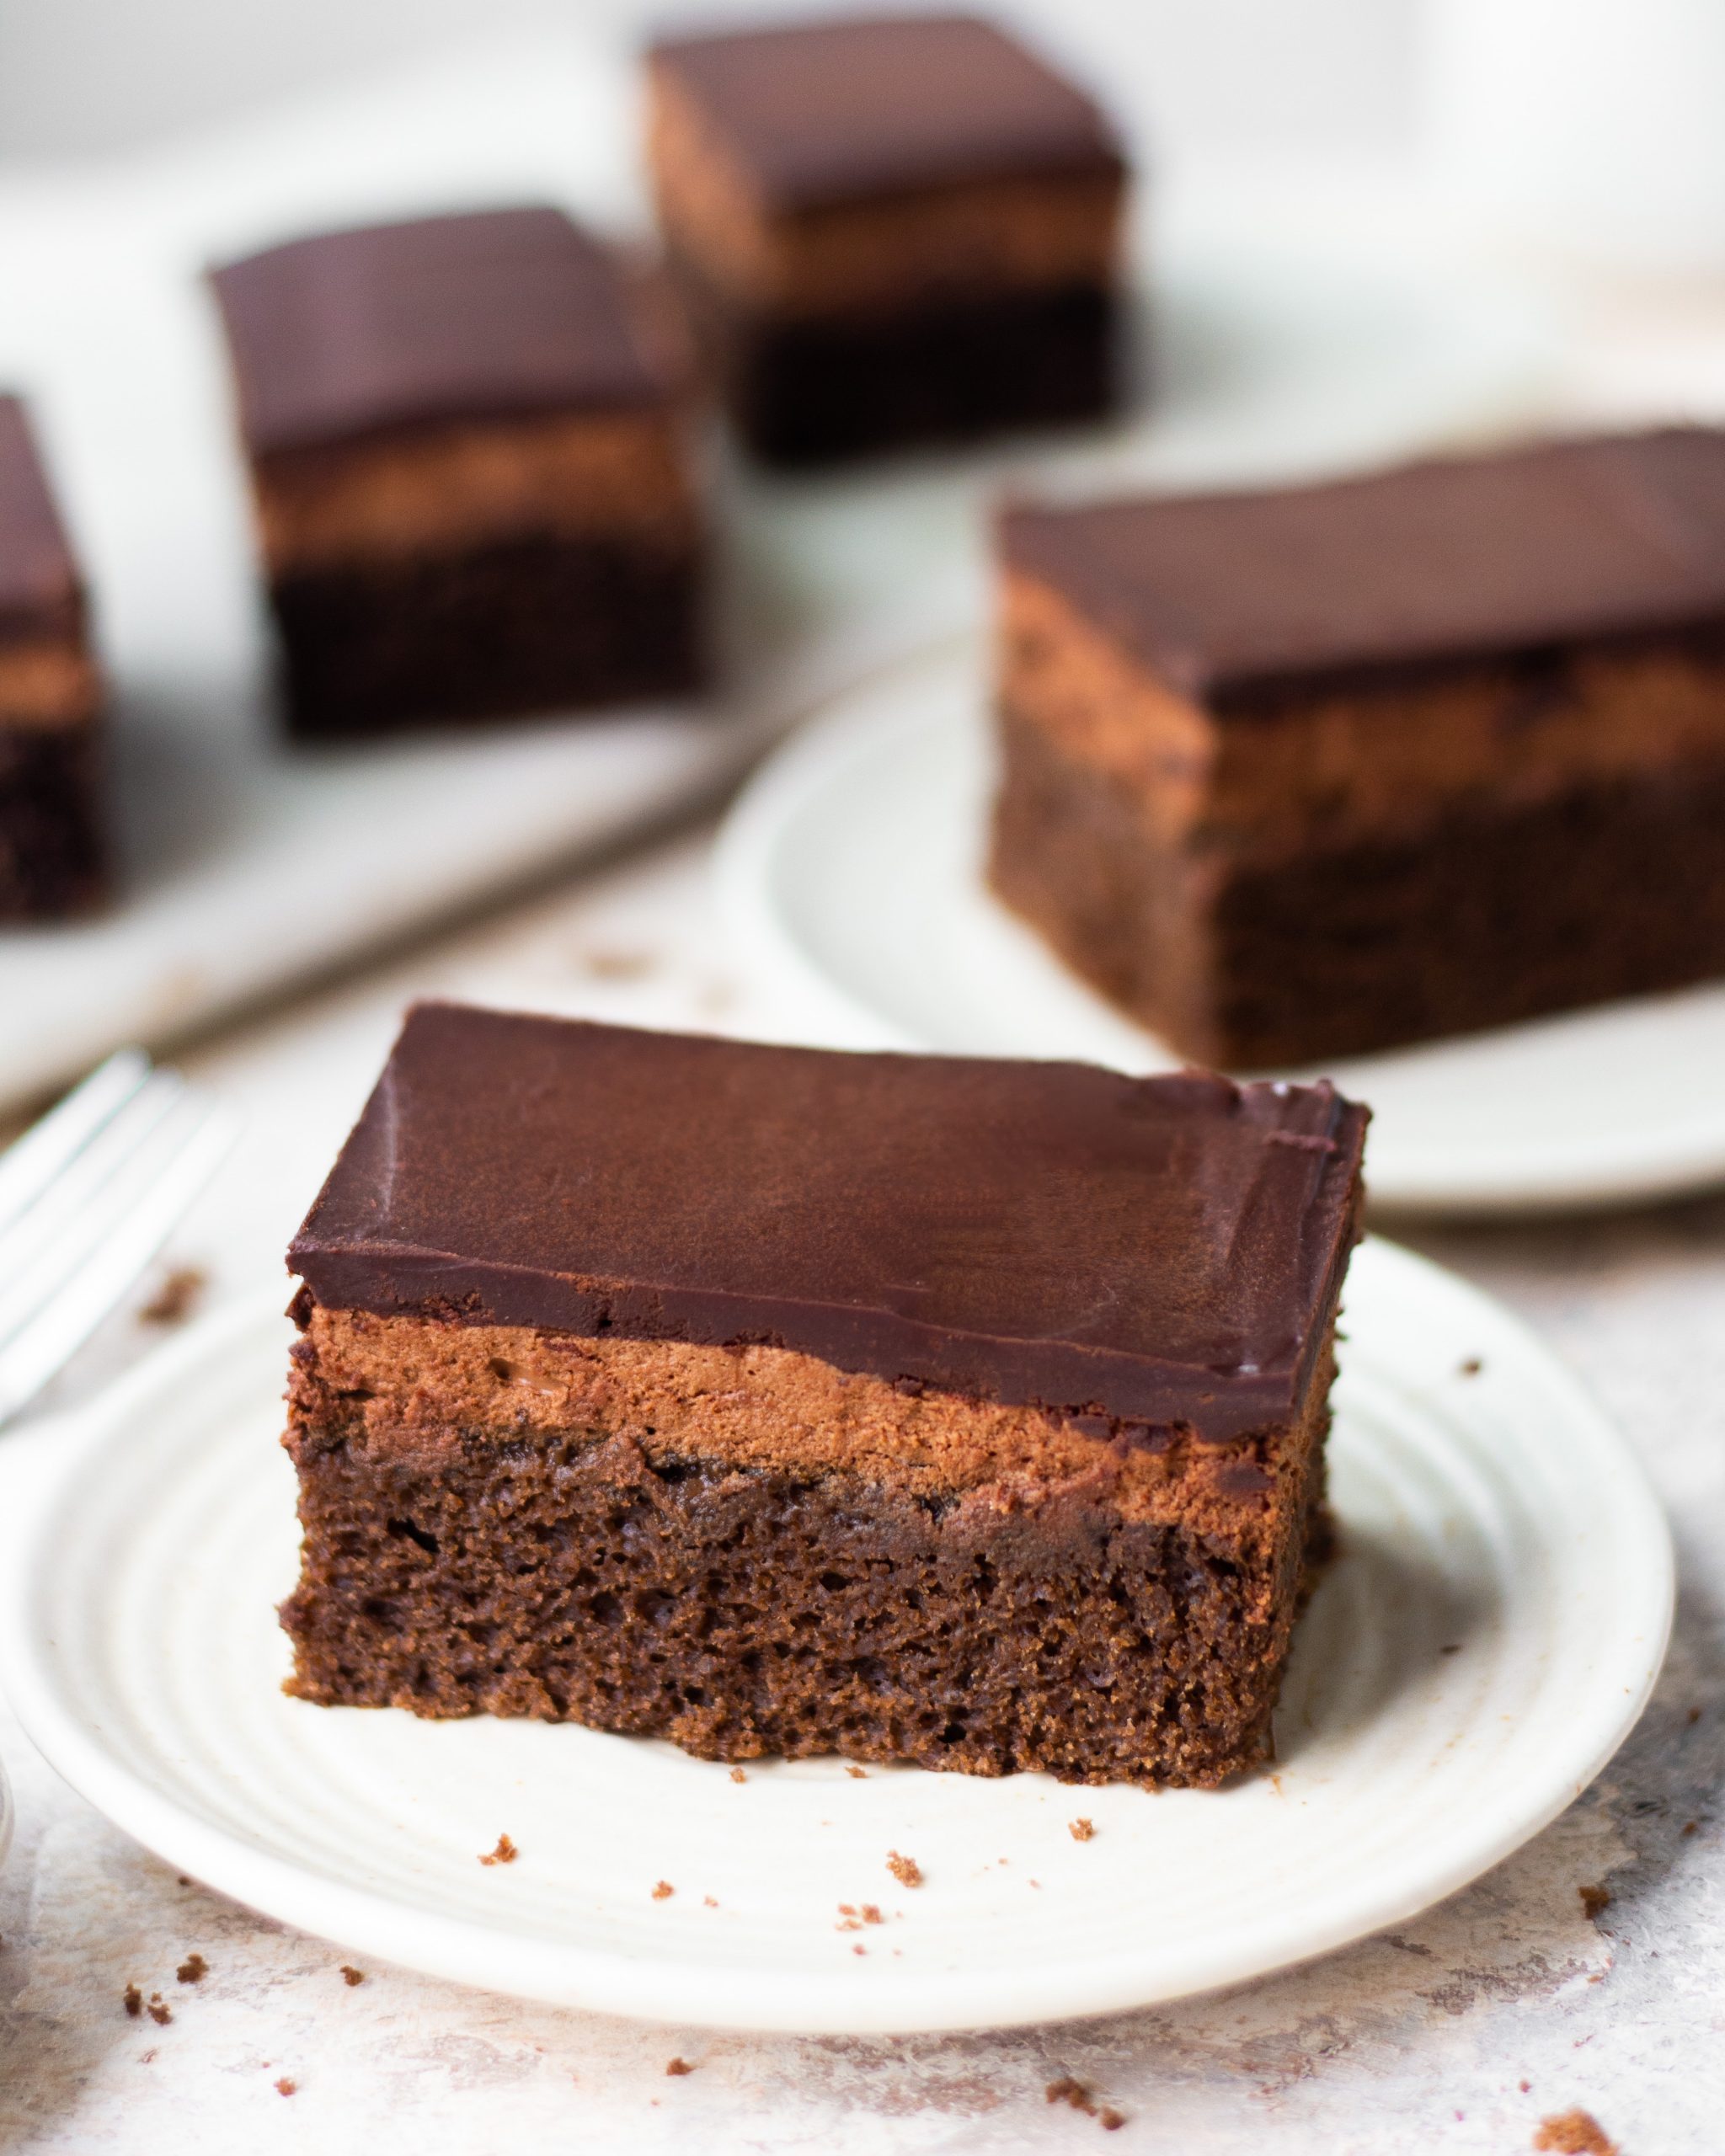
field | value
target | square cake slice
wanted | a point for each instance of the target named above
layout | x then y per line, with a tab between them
471	485
890	230
53	827
1295	774
778	1400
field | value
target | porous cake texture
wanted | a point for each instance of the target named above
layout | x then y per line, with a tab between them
889	230
1290	776
54	851
473	491
776	1401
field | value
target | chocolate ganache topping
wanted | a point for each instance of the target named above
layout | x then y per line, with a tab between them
1151	1252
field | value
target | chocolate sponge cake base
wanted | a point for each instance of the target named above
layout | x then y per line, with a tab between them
741	1613
1485	917
844	1569
526	626
806	390
53	845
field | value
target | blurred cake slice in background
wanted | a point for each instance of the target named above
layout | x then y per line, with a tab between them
890	230
1296	775
53	836
472	495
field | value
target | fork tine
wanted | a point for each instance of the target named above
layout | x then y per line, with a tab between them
111	1154
28	1166
78	1230
83	1293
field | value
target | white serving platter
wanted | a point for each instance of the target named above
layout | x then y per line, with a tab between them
1485	1641
248	865
850	871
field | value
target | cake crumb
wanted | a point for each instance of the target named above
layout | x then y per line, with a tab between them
1574	2133
504	1852
1082	1830
1689	1826
708	1902
616	965
193	1969
351	1976
859	1949
678	2066
287	2086
173	1302
160	2012
134	2000
148	2057
856	1774
1471	1368
664	1890
738	1775
1595	1901
1524	2086
870	1914
904	1869
1069	2089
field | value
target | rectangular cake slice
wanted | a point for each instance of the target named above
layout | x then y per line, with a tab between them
776	1401
471	485
890	230
53	829
1294	775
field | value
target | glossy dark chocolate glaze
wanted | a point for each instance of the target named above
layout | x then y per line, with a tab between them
1149	1252
500	311
39	582
820	113
1246	598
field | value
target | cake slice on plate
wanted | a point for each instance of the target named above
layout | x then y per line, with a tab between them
778	1400
1294	775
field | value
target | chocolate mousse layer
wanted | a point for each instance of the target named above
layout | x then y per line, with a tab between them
53	827
779	1400
472	490
1294	775
889	229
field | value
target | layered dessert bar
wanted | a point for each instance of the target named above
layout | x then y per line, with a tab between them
1293	774
53	827
889	230
471	485
776	1401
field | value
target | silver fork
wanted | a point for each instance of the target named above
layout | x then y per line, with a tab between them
87	1197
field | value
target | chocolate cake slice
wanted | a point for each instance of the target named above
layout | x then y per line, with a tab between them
776	1401
1290	776
53	830
472	490
890	230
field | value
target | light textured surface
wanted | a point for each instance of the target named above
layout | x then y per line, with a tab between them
1418	2041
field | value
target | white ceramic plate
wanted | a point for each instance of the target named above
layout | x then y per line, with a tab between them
1484	1643
850	871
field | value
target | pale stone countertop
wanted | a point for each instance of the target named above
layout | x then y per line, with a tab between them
1507	2005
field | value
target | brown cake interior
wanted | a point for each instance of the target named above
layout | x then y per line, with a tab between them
750	1552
